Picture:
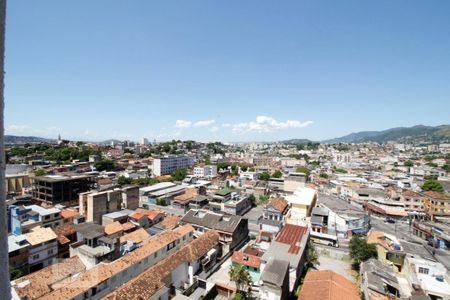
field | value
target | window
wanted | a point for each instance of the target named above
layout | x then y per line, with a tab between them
50	252
423	270
155	255
36	256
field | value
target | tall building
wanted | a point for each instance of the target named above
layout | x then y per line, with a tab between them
54	189
168	164
144	141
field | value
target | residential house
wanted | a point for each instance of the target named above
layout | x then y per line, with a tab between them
103	279
389	249
274	283
436	204
327	285
233	230
276	209
18	252
250	258
289	245
43	250
301	204
378	281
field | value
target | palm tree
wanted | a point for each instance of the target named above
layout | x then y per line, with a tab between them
241	277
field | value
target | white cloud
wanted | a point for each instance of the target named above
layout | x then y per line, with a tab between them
204	123
182	124
26	129
214	129
268	124
227	125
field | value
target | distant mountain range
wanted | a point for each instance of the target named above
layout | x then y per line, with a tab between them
14	139
416	133
297	141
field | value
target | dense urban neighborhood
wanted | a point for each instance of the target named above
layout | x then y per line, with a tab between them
189	220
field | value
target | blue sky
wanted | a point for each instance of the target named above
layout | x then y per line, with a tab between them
225	70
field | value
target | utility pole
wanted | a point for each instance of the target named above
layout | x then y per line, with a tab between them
5	288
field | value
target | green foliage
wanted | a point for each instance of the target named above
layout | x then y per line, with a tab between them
14	273
433	165
408	163
239	296
67	153
20	151
433	185
105	165
223	166
122	180
303	169
264	176
446	168
40	172
263	199
361	251
161	202
311	255
145	181
251	169
179	174
244	168
340	170
241	277
277	174
252	199
323	175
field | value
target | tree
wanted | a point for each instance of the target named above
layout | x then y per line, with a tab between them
311	255
408	163
264	176
323	175
244	168
433	185
40	172
122	180
251	169
303	169
241	277
263	199
277	174
179	174
105	165
361	251
14	273
252	199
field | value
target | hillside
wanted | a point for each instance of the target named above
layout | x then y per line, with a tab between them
14	139
418	133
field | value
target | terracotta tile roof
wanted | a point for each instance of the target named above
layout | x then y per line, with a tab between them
40	282
436	195
63	231
374	237
68	213
188	195
409	193
93	277
113	228
246	259
292	235
137	216
151	214
150	281
128	226
323	285
170	222
279	204
137	236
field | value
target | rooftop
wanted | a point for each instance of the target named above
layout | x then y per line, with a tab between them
39	235
292	235
323	285
275	272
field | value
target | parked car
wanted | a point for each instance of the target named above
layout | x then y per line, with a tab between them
390	220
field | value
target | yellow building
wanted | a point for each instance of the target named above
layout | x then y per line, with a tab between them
436	204
301	203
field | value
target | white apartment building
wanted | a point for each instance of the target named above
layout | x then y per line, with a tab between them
168	164
206	171
43	248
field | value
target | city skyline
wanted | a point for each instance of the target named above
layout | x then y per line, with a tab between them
233	72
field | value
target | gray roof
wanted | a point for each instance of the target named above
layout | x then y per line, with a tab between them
320	211
378	275
316	219
89	230
212	220
270	222
417	250
275	272
281	252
